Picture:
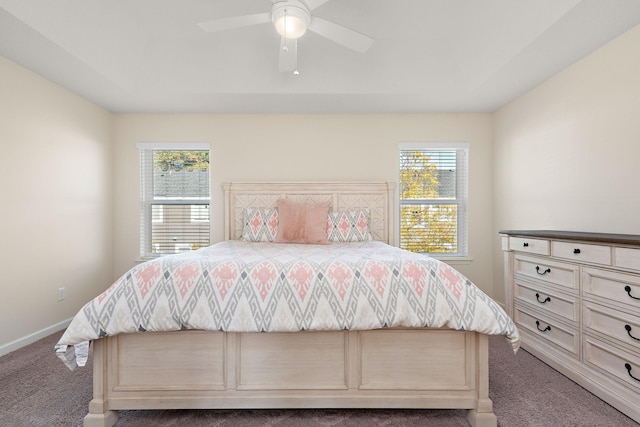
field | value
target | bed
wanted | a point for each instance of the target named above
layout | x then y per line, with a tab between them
360	360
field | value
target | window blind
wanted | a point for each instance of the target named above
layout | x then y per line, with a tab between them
433	198
174	198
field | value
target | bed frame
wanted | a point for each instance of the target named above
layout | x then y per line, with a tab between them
390	368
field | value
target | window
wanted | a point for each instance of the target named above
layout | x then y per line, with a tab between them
157	214
174	198
433	198
199	213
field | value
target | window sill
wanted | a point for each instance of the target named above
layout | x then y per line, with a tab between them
454	260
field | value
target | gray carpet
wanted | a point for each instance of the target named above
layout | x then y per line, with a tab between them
36	389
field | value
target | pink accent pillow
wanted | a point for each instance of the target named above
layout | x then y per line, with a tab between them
302	222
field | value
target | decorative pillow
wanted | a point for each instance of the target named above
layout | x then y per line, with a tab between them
260	224
349	226
302	222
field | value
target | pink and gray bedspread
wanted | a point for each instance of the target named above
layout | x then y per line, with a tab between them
240	286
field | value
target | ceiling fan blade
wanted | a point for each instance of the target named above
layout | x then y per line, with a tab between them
235	22
313	4
341	35
288	55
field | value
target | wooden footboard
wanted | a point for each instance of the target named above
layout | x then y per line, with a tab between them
389	368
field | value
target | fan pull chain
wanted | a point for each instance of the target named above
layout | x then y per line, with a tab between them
285	48
295	71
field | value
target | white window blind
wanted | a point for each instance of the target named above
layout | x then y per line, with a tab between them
433	198
174	198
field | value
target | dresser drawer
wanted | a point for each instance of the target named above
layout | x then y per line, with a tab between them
627	258
532	246
548	329
552	302
554	273
618	288
581	252
614	362
612	323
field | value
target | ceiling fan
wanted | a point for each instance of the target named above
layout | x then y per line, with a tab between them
291	19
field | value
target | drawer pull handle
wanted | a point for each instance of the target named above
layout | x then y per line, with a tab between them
628	367
628	328
548	328
628	291
544	301
525	244
576	251
548	270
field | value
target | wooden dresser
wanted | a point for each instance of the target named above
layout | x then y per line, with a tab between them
576	300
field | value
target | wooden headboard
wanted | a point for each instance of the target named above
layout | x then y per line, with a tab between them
377	196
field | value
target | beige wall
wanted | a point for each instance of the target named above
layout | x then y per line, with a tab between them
55	209
304	147
567	153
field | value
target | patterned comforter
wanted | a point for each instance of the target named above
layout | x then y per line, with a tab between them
239	286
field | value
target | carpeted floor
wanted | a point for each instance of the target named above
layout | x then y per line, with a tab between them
36	389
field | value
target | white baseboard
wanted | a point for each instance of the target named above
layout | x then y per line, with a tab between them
24	341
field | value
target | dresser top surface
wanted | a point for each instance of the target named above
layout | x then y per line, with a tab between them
625	239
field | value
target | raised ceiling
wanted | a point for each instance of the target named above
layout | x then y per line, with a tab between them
429	56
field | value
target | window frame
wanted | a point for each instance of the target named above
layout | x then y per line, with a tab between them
146	197
461	200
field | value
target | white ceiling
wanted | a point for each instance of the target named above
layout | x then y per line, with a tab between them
428	56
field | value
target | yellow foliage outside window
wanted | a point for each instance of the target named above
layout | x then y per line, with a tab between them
428	212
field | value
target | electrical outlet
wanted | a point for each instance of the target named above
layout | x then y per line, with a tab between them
61	293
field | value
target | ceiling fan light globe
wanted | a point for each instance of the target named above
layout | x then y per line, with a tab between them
290	26
291	20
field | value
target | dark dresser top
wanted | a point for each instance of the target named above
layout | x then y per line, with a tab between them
624	239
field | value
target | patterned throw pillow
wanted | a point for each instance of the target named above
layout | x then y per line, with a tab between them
260	224
349	226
